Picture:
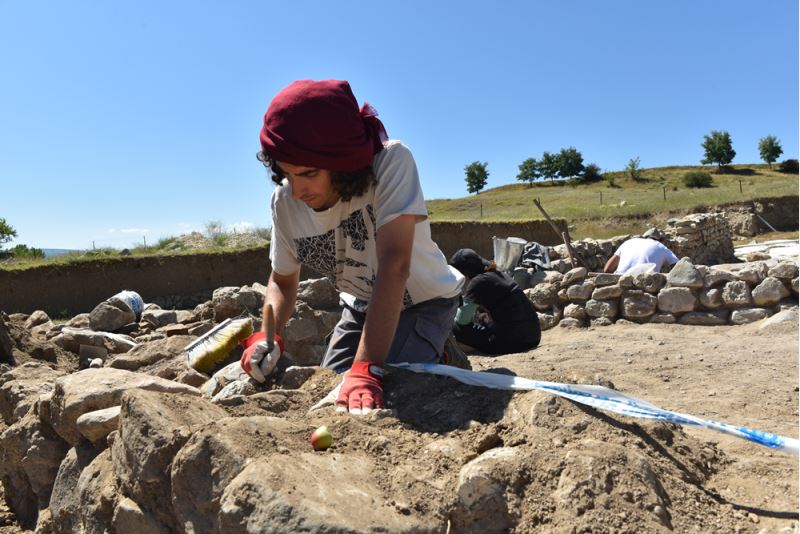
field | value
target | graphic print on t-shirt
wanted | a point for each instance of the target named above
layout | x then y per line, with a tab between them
355	228
318	252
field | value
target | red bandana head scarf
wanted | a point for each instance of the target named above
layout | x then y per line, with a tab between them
319	124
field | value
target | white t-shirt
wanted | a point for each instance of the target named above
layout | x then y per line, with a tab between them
340	242
639	250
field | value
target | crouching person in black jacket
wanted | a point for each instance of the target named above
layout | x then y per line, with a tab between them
514	324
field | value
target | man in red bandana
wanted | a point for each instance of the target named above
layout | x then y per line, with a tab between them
348	204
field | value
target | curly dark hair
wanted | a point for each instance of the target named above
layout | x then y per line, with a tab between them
347	184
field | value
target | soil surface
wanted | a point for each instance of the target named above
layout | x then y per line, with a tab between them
570	468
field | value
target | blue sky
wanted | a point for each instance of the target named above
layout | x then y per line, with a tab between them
123	121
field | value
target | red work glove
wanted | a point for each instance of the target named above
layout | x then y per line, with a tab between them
259	358
361	390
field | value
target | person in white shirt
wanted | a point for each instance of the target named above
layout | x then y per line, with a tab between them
348	204
637	252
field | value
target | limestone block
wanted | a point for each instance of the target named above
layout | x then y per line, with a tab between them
574	276
37	318
685	274
711	298
663	317
795	285
769	292
151	352
481	500
754	273
111	315
737	294
319	293
608	309
718	277
96	425
626	281
602	321
650	282
638	305
705	318
580	292
749	315
676	300
607	292
547	320
606	279
575	311
569	322
784	271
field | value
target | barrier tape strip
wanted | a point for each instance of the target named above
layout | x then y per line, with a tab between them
604	399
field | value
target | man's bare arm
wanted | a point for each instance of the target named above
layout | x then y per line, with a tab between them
611	264
394	241
281	293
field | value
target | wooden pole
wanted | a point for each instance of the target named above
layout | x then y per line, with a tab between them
601	197
564	235
665	193
569	249
740	186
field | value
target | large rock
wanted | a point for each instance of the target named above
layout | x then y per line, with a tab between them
784	271
268	497
153	426
129	518
650	282
737	294
111	315
711	298
151	352
306	331
318	293
22	386
547	320
97	425
662	317
71	339
37	318
685	274
580	292
229	302
607	292
749	315
608	309
676	300
705	318
95	389
718	277
481	494
638	305
606	279
542	296
30	454
753	273
158	318
769	292
575	311
64	500
212	457
574	276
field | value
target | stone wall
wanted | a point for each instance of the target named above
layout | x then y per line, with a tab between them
705	238
689	294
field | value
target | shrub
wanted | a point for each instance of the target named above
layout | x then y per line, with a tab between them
790	166
573	182
30	253
697	179
591	173
609	178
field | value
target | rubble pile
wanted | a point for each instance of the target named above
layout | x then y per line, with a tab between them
690	294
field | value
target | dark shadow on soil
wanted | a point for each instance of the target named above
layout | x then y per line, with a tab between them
691	477
739	172
431	403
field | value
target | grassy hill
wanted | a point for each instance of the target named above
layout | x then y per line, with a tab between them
581	206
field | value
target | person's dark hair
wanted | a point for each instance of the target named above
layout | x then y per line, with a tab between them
347	184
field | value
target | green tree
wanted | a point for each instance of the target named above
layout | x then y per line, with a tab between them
718	148
634	169
477	175
23	251
570	162
770	149
7	232
529	171
548	165
591	173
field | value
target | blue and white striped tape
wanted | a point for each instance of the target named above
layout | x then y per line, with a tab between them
604	399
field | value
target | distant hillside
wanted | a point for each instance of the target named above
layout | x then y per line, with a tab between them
53	252
659	190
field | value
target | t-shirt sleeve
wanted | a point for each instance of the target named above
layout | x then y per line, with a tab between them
398	191
282	251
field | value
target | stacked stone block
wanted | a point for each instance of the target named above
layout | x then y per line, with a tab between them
690	294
